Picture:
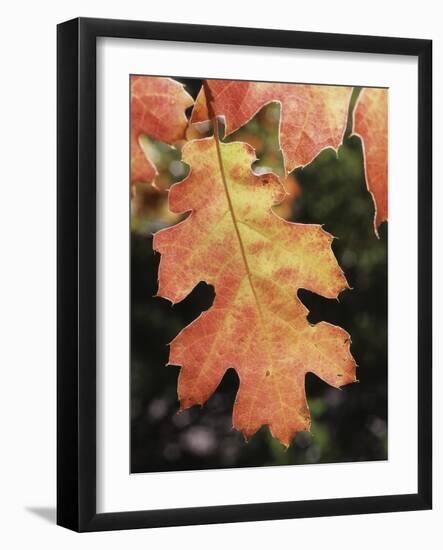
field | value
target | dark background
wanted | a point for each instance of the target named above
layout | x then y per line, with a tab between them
348	424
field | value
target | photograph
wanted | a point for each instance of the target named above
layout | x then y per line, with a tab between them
221	275
258	273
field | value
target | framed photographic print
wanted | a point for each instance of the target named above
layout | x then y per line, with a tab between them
239	338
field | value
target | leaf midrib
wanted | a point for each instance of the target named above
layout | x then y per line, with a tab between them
235	223
247	268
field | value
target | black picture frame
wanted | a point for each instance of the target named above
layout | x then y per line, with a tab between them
76	277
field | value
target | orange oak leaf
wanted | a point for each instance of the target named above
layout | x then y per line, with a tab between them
256	262
158	110
312	117
371	125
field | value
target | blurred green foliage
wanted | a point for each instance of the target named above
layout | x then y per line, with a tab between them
348	424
